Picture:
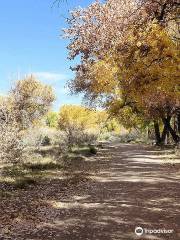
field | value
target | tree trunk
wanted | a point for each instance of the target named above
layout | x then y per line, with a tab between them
178	122
157	132
164	135
167	124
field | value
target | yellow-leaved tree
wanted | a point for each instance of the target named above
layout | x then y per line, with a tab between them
30	100
27	102
139	81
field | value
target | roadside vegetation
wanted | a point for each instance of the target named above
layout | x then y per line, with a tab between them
36	141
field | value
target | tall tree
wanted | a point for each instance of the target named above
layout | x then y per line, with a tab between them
30	100
128	57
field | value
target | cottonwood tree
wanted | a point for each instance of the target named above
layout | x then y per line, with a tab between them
31	100
27	103
82	125
113	47
150	71
77	122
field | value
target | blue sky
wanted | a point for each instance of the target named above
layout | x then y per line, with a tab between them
30	43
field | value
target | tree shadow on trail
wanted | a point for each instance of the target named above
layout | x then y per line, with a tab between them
132	188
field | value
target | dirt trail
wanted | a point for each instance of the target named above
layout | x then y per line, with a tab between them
128	186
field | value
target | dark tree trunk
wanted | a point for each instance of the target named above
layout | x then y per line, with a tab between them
157	132
178	122
168	138
164	135
167	124
173	134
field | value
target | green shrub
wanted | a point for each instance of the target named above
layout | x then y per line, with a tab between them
46	141
42	166
92	150
22	183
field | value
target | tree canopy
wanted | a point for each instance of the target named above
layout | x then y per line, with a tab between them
129	58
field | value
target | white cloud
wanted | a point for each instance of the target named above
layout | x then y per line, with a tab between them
51	77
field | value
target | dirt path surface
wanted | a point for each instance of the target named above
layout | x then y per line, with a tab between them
122	187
